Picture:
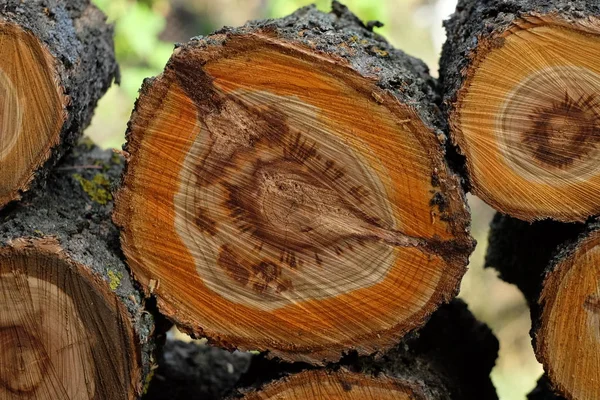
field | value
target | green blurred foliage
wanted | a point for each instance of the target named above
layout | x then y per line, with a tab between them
139	51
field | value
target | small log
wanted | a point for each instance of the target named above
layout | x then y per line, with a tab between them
72	323
287	190
561	285
520	80
450	358
56	60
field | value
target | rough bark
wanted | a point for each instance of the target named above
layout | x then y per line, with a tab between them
522	252
70	221
80	45
196	371
450	358
246	154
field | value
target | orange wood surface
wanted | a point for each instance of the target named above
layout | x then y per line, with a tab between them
341	385
63	333
175	255
568	339
542	67
32	108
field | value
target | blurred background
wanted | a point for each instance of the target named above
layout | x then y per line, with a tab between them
145	33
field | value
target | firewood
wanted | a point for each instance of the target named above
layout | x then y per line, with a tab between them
287	190
560	280
56	60
72	322
450	358
520	82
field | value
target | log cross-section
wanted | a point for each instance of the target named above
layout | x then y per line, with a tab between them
568	335
58	327
556	267
340	385
521	82
56	60
73	324
287	190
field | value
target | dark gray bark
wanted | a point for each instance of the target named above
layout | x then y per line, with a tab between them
193	371
543	391
522	252
451	357
454	353
80	40
75	208
475	20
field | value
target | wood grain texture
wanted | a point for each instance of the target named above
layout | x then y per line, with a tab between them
524	111
568	336
340	385
56	61
554	265
450	358
52	344
278	199
72	323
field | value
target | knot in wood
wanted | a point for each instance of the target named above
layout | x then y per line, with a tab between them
564	132
26	361
549	126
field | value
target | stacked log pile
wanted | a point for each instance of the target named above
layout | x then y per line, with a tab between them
520	84
296	188
450	358
72	322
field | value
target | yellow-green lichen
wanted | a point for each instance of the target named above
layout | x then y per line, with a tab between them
98	188
148	380
114	278
87	142
380	52
116	159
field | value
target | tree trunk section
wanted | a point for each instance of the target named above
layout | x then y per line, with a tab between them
556	267
450	358
520	82
56	60
72	322
292	194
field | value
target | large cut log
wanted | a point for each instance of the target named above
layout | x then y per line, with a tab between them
561	285
56	60
450	358
520	81
287	189
72	323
